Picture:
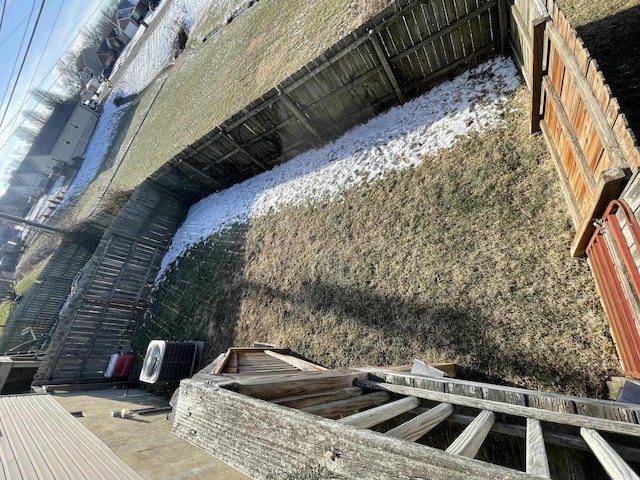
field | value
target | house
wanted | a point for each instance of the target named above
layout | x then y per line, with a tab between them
38	154
125	22
63	139
26	181
89	64
75	136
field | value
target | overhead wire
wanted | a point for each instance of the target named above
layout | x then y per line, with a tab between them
4	6
35	71
14	30
15	63
42	82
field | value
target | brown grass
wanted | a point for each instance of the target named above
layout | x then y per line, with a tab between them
463	259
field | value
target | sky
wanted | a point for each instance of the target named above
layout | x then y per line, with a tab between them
55	31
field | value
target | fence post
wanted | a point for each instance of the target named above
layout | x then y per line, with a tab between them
537	50
385	64
608	188
503	17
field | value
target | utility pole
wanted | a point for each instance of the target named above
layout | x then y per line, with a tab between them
30	223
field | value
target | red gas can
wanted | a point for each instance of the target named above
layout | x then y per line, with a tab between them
119	366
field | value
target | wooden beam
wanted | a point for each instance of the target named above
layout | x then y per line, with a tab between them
537	463
607	408
301	401
537	51
293	108
614	465
200	173
498	407
299	363
590	101
423	423
348	405
565	185
552	438
469	442
503	19
421	368
300	383
373	37
446	367
380	414
608	188
245	151
562	117
287	443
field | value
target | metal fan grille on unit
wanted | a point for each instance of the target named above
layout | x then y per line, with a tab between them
152	361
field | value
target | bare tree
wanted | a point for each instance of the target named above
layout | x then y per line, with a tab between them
47	97
67	66
35	117
27	132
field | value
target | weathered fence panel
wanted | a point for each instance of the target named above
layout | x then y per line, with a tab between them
39	308
614	258
595	154
111	294
587	136
399	53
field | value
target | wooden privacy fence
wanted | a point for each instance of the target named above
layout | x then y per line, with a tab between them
587	135
399	53
402	51
39	308
112	292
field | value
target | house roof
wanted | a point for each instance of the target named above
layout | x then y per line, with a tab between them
40	439
51	130
25	168
86	54
125	4
10	198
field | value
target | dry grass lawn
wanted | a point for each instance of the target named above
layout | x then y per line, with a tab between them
463	259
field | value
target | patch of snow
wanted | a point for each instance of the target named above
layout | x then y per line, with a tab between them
156	51
395	140
151	55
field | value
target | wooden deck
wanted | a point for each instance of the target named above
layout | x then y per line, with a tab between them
385	424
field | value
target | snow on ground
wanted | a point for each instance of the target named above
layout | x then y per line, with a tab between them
153	54
157	50
395	140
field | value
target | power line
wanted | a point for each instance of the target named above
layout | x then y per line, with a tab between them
42	54
15	61
44	79
14	30
24	60
4	5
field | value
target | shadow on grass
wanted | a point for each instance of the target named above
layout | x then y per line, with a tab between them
460	330
200	299
613	42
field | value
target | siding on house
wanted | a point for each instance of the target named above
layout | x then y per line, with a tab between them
75	135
